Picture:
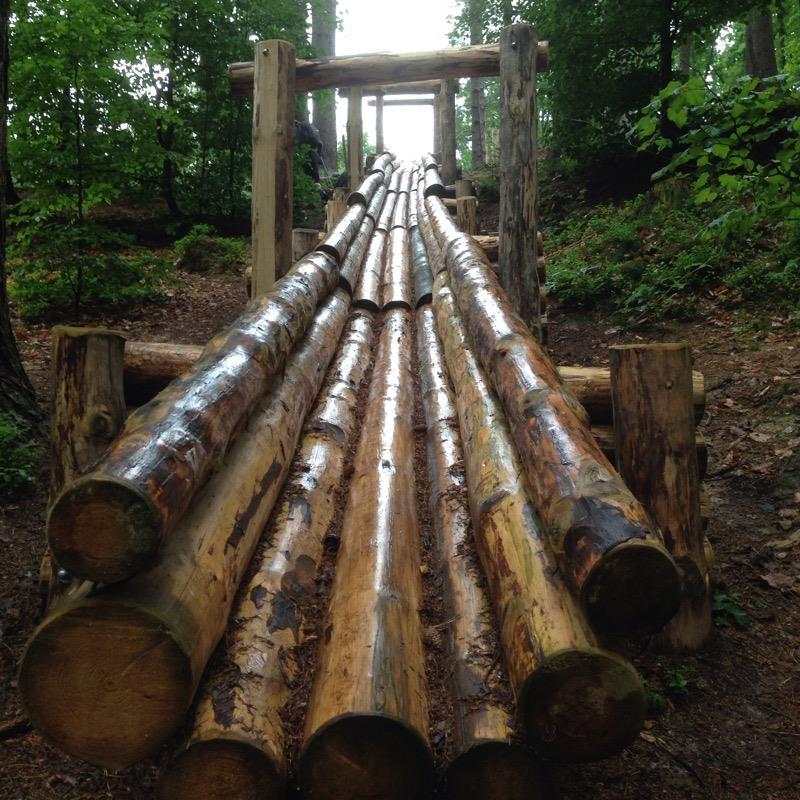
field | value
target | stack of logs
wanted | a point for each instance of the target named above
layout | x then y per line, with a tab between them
212	515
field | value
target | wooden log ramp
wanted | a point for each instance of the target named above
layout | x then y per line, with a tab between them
111	672
237	742
366	731
108	525
603	538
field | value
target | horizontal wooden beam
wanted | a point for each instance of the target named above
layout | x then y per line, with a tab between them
405	101
374	69
414	87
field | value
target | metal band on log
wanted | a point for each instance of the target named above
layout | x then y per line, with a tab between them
236	746
603	537
484	765
577	702
367	722
110	674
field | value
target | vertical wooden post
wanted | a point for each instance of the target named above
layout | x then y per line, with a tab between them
518	182
437	125
355	138
304	240
273	146
654	435
379	143
447	95
465	188
467	214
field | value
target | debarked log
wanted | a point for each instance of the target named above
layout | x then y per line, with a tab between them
109	524
398	281
110	674
236	746
368	289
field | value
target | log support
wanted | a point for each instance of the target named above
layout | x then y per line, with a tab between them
380	145
467	214
355	138
448	130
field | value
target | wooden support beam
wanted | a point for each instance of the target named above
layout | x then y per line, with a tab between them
448	130
463	187
518	121
273	148
374	69
355	139
378	103
401	101
657	457
467	214
414	87
437	124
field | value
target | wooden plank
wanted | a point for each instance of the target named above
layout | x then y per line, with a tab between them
273	145
355	138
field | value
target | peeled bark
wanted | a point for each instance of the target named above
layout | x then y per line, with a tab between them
484	764
368	289
367	724
236	745
110	675
602	536
577	702
109	524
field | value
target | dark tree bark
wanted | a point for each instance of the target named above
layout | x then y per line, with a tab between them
761	61
16	392
477	95
323	40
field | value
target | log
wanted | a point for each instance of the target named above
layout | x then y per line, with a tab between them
576	701
367	724
338	240
396	179
273	132
304	240
376	204
385	217
355	138
467	214
415	87
351	266
108	525
379	102
110	674
375	69
447	111
489	243
657	456
366	191
379	138
603	537
335	209
400	213
463	187
433	183
483	763
382	162
423	278
236	744
437	122
518	180
368	289
398	278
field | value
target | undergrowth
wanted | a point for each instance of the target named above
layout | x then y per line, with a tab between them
20	455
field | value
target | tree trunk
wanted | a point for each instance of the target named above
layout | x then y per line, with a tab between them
760	58
477	98
323	41
16	392
685	57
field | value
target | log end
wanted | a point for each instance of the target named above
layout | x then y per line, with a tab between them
221	769
690	628
103	529
583	705
365	755
105	682
495	770
635	588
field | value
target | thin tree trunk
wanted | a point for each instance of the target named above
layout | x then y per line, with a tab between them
477	94
685	57
760	58
323	40
16	392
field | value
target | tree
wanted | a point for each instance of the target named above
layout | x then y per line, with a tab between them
16	392
760	55
478	113
323	43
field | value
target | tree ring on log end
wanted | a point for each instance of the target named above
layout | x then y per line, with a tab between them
103	529
105	682
495	770
365	756
634	588
221	769
583	705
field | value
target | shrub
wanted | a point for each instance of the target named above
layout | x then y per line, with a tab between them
201	250
19	457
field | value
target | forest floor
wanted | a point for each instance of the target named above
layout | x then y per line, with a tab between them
728	721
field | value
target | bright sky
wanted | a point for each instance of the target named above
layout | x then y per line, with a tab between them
373	26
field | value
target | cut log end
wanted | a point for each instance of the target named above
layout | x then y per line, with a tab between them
222	769
635	588
360	756
103	529
113	710
495	771
583	705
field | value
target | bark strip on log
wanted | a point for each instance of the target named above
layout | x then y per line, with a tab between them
236	746
367	724
484	764
110	675
577	702
603	537
657	456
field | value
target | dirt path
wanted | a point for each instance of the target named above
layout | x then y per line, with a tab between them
730	722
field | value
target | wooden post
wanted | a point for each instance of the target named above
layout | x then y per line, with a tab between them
467	214
273	145
437	124
448	130
517	256
657	456
465	188
335	209
379	144
355	138
304	240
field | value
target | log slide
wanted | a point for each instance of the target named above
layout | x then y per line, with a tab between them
251	546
